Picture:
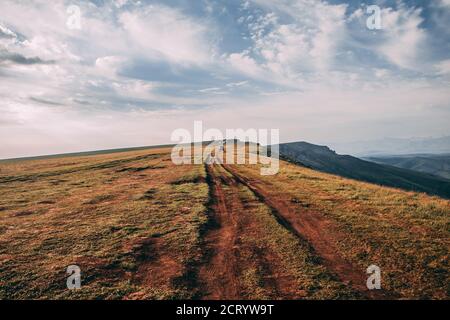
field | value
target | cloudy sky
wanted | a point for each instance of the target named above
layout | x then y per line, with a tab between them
136	70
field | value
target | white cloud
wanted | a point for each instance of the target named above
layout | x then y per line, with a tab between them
245	64
207	90
236	84
314	33
403	36
109	66
135	88
443	67
162	32
381	73
444	3
7	37
283	51
120	3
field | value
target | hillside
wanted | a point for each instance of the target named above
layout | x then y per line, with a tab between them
140	227
435	164
323	159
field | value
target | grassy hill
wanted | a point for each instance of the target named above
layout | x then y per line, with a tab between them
140	227
323	159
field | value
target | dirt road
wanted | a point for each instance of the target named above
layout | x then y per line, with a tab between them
228	253
232	220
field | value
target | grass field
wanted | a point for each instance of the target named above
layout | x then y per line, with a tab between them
140	227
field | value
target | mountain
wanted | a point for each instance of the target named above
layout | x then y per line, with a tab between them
324	159
438	165
392	146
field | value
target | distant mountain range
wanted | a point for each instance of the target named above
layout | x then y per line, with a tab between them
392	146
324	159
438	165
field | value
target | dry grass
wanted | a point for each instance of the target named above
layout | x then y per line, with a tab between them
96	212
135	224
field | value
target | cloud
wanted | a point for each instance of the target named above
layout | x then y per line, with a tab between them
403	36
403	42
16	58
136	89
236	84
310	38
245	64
207	90
43	101
444	3
443	67
291	39
439	16
109	66
165	33
7	33
120	3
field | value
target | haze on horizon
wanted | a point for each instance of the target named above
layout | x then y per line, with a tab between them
137	70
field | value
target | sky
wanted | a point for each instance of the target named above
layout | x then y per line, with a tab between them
89	75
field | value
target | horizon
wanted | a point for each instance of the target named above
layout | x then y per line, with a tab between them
129	148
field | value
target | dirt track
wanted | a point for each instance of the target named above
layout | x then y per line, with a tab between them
219	275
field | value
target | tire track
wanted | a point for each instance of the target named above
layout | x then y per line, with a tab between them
218	276
276	281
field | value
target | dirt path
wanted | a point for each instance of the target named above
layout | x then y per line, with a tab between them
316	229
220	277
